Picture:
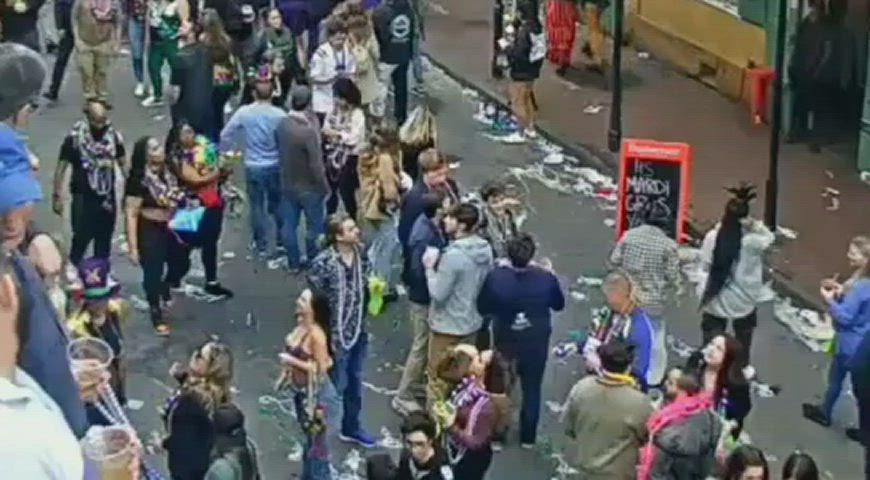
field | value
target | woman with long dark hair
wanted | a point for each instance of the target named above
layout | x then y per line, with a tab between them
732	255
233	456
151	196
746	463
800	466
199	172
306	359
344	131
719	368
226	72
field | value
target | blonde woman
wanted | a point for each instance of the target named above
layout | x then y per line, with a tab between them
366	54
205	386
849	310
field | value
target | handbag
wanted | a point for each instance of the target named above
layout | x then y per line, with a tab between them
187	220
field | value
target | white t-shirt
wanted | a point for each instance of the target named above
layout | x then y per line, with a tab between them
35	441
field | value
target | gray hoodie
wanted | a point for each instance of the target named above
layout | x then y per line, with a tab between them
686	451
454	286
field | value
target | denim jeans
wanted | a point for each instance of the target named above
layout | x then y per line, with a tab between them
346	375
264	196
315	455
383	247
836	375
313	205
136	31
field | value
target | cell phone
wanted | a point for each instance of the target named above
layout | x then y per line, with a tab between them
285	357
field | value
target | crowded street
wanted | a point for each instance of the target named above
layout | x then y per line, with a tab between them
566	204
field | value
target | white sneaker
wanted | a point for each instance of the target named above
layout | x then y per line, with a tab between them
515	138
152	101
139	91
530	133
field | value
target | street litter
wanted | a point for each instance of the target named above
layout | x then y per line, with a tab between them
251	321
295	455
808	325
643	55
555	407
276	263
228	255
353	460
380	390
197	293
865	177
569	85
764	390
563	469
589	281
678	346
593	109
285	405
388	441
138	303
454	165
579	296
786	232
133	404
610	222
554	159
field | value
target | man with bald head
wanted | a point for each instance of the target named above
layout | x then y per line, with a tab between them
94	150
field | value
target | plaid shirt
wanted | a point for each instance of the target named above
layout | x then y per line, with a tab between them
650	257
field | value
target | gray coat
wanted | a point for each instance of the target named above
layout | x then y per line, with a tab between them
686	451
454	286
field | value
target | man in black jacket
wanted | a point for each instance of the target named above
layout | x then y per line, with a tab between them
420	459
395	25
526	56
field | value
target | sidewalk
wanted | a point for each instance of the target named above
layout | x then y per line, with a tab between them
661	104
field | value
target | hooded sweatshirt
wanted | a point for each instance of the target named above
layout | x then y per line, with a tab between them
454	286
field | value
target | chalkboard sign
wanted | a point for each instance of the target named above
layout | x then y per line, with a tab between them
653	186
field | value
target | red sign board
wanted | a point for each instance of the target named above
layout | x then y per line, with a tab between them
653	186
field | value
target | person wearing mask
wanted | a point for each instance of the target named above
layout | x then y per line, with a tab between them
425	234
198	168
521	297
454	279
226	75
859	371
395	28
380	174
135	12
800	466
746	463
204	386
721	372
151	195
42	339
332	60
498	225
340	273
304	184
257	124
420	458
562	20
605	417
683	436
625	321
66	43
344	134
525	57
18	23
366	55
651	258
234	456
732	256
306	361
168	20
97	31
95	151
849	309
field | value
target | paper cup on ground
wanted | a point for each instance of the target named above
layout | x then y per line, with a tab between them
113	449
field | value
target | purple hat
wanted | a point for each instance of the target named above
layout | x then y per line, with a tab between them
96	276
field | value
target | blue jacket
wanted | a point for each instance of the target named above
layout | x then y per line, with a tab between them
43	351
851	316
412	207
532	293
637	333
425	233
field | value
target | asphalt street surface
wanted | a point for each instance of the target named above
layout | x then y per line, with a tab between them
571	231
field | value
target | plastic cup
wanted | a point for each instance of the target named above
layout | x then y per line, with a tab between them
89	359
113	449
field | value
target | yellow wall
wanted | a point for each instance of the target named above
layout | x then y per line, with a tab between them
698	38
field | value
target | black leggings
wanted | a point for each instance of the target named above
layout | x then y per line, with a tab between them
344	186
206	239
153	241
474	464
712	326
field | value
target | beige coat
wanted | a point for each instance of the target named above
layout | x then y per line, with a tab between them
366	55
379	180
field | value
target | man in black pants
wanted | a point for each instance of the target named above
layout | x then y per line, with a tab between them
63	20
395	26
94	149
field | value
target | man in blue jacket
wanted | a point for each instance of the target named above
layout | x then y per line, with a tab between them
521	297
425	234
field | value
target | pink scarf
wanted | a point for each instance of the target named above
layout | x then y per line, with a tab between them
674	413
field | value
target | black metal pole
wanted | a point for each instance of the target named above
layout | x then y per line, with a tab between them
497	33
614	134
772	185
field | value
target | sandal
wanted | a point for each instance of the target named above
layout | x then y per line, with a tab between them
160	327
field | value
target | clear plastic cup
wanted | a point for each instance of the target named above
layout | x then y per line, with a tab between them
89	359
113	449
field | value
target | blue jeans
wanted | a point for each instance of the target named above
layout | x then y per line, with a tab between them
383	247
136	31
346	374
264	196
315	456
313	205
836	374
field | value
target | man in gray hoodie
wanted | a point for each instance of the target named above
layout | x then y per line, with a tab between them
453	287
303	175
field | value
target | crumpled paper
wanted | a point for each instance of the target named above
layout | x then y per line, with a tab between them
380	390
807	325
679	347
388	441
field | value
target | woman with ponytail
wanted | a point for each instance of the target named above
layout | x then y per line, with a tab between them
732	257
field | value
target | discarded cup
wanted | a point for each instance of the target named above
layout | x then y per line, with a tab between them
113	449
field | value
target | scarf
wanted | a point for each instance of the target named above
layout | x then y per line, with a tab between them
675	413
163	187
97	156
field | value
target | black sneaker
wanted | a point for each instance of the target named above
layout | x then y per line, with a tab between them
50	96
815	414
218	290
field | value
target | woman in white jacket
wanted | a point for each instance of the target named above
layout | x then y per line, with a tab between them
332	60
